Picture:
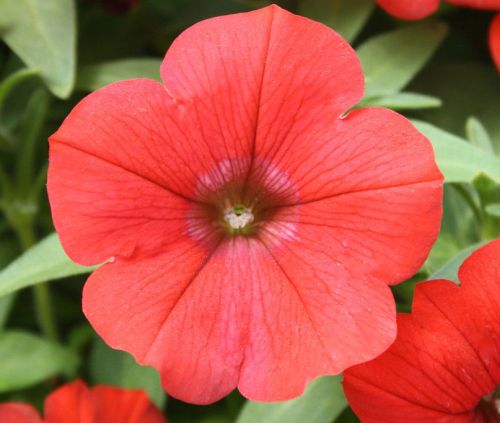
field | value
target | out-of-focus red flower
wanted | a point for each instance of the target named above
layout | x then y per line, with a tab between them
494	40
253	227
445	363
75	402
409	9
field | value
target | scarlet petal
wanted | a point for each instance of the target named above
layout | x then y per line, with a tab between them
477	4
124	406
70	402
117	181
263	78
409	9
13	412
494	41
446	355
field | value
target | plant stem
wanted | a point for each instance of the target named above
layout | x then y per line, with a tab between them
41	292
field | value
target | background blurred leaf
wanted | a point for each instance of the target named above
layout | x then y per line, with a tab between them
27	360
43	262
466	89
92	77
43	34
391	60
321	403
478	135
402	101
450	269
118	368
459	160
347	17
493	209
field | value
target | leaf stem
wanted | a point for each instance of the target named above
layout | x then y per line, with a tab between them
41	292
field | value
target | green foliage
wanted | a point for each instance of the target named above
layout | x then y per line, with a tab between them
45	261
402	101
43	34
321	403
391	60
28	359
347	17
117	368
92	77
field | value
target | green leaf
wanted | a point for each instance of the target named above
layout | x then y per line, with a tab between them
321	403
95	76
478	135
43	34
391	60
43	262
450	270
28	359
118	368
457	159
347	17
403	101
493	209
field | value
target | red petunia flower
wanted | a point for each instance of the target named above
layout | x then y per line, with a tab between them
75	402
409	9
253	228
494	40
445	363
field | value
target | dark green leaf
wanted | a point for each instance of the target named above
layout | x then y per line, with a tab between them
321	403
347	17
117	368
391	60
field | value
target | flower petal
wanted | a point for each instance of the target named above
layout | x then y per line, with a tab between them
446	355
263	78
70	402
13	412
117	183
409	9
124	406
494	40
234	319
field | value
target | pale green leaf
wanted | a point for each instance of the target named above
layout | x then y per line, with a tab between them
43	34
457	159
478	135
403	101
95	76
391	60
43	262
493	209
118	368
322	402
27	360
450	270
347	17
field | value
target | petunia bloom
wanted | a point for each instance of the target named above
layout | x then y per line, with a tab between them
75	402
445	363
494	41
253	227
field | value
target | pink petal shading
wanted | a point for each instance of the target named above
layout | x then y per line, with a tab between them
494	40
447	353
13	412
409	9
241	321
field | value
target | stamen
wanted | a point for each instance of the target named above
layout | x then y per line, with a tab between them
238	217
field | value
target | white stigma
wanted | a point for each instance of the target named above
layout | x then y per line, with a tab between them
238	219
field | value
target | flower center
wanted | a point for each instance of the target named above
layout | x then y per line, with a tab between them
489	406
238	219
